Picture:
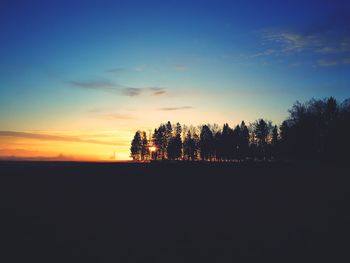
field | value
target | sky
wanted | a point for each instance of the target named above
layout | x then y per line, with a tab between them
78	78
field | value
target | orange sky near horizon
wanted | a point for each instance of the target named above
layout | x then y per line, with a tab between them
95	136
100	146
84	145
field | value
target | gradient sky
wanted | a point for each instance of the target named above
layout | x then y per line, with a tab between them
77	78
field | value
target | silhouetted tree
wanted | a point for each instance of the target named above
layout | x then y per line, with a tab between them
144	147
252	153
330	145
342	142
196	141
287	138
206	143
189	147
304	120
262	131
274	142
159	140
155	140
235	143
136	146
226	144
168	131
244	142
218	146
314	130
174	148
178	129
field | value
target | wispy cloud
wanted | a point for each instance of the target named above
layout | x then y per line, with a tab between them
116	71
329	35
264	53
103	85
333	44
153	91
132	92
50	137
176	108
92	84
341	48
157	91
333	62
289	41
115	88
327	62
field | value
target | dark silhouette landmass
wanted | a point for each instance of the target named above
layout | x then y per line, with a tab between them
252	193
174	212
315	130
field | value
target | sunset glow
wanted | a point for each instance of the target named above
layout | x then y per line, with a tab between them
77	80
152	149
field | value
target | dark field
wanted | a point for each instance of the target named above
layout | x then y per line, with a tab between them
173	212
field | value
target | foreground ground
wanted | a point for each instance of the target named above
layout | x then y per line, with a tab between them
173	212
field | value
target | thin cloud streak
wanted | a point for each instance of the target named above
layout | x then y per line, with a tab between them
157	91
116	71
176	108
132	92
92	84
333	62
334	43
292	41
105	86
330	35
49	137
110	87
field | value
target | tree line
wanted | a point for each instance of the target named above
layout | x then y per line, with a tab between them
314	130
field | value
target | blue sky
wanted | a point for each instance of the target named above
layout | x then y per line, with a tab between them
117	65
